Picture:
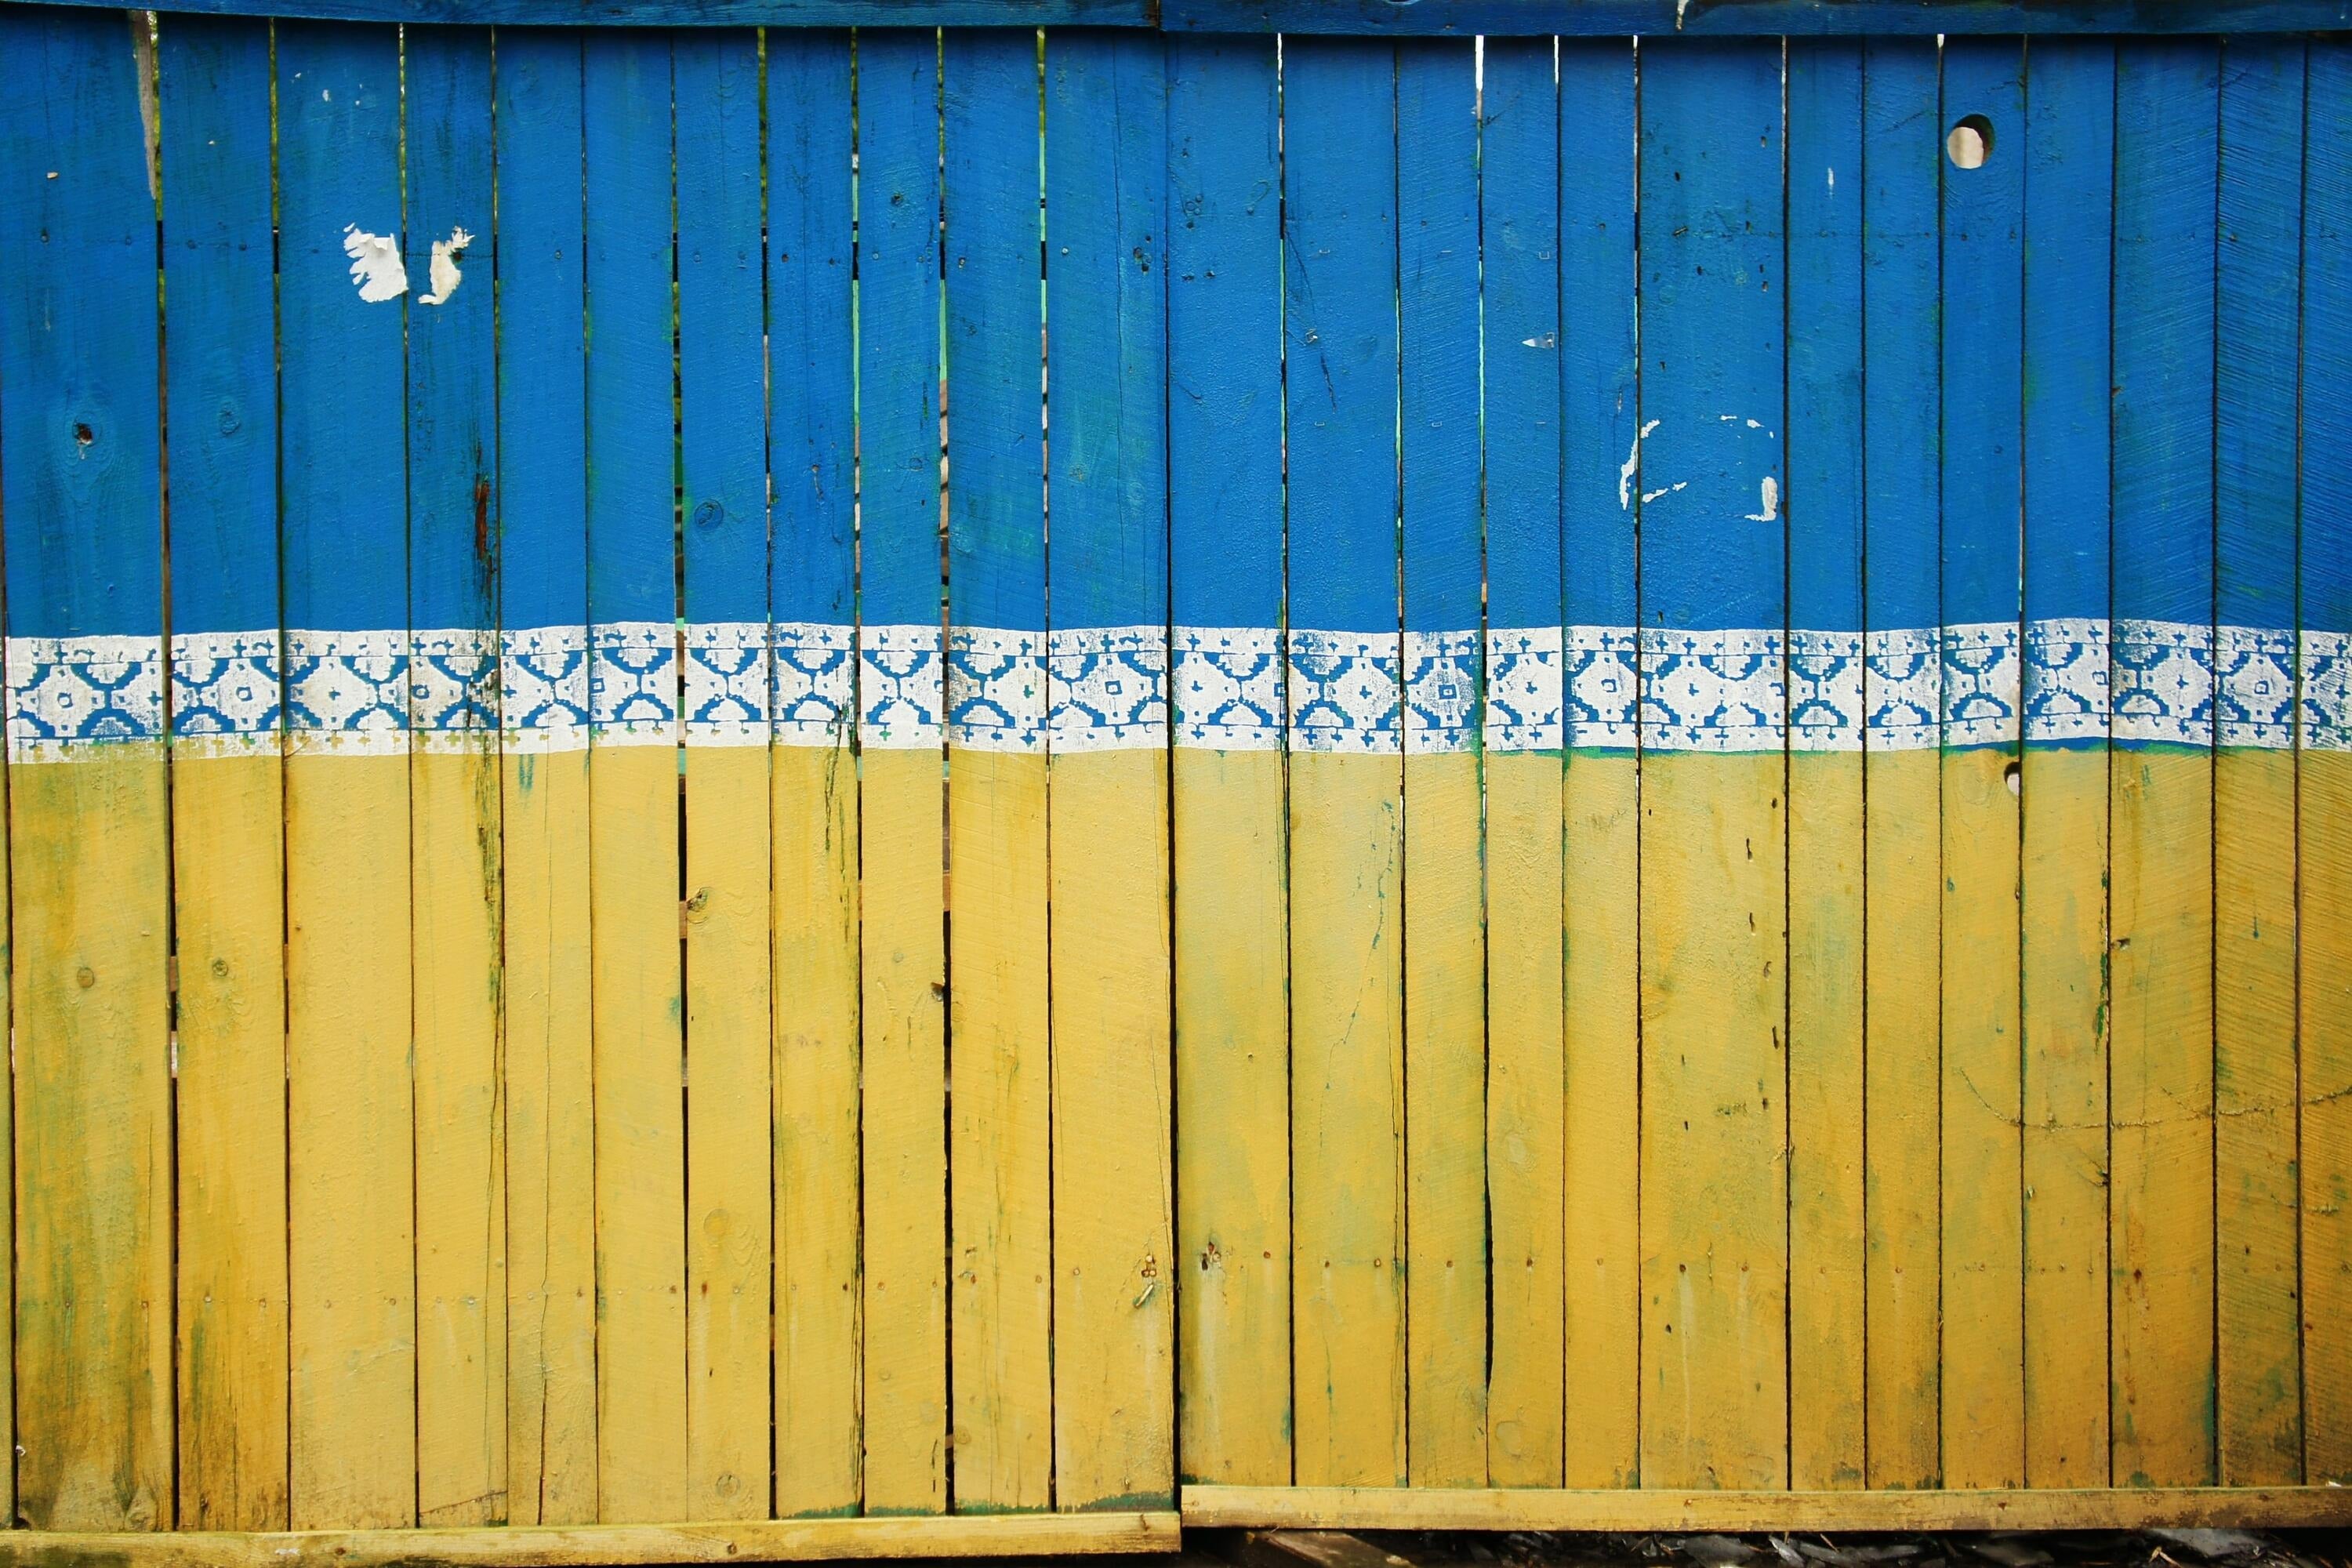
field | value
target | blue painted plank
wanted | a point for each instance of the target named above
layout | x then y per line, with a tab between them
723	430
1601	407
219	357
996	536
1460	19
341	378
1901	546
625	98
1225	355
810	355
1520	210
1341	332
1437	283
543	415
2325	539
1825	363
898	327
1106	357
453	441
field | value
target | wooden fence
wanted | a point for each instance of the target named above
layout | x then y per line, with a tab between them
1664	835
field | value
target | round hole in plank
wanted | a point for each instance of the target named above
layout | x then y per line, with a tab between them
1970	142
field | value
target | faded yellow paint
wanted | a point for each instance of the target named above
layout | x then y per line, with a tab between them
728	1185
2064	922
1983	1197
350	1150
634	1000
88	845
1527	1085
1603	1117
551	1154
1714	1120
2160	1075
1114	1341
1233	1098
815	1069
228	895
1000	1091
461	1229
2260	1377
1446	1093
1825	1121
1347	1100
1901	851
2324	841
904	956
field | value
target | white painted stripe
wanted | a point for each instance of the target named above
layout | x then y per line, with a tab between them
1346	691
1108	688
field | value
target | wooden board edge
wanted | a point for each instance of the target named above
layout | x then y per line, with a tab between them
1365	1507
521	1546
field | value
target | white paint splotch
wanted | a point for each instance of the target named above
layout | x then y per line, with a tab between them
446	253
1771	500
375	264
1633	464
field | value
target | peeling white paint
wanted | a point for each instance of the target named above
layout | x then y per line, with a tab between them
375	264
1756	424
1632	461
446	276
1771	512
1680	6
1649	496
1544	341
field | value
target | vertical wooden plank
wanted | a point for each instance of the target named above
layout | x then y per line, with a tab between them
1901	153
1113	1294
1601	411
1826	1280
2069	150
348	1012
999	1061
552	1448
900	800
812	606
633	830
2161	1200
80	480
461	1371
1445	946
1519	722
1226	805
2257	287
1713	883
2324	772
1347	1088
1982	218
724	472
229	725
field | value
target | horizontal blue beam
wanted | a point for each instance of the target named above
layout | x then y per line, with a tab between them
1602	18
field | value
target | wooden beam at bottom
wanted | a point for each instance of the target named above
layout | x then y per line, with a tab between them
524	1546
1427	1508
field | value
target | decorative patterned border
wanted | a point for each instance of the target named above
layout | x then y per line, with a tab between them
1441	691
1825	686
728	685
1523	695
67	695
901	687
1604	689
1228	687
2324	716
1108	689
2253	687
2066	675
1712	690
347	693
453	690
813	671
229	694
996	690
2162	682
543	690
632	683
1347	693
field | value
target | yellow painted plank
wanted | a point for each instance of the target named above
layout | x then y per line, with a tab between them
1714	1120
2160	1076
1445	1091
2261	1384
1114	1296
461	1230
1603	1122
87	843
767	1540
634	1000
2064	924
2324	842
550	1142
350	1141
1825	1121
1233	1100
1526	1088
901	799
1646	1510
1347	1100
818	1431
1902	882
1983	1252
998	1157
728	1139
229	891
